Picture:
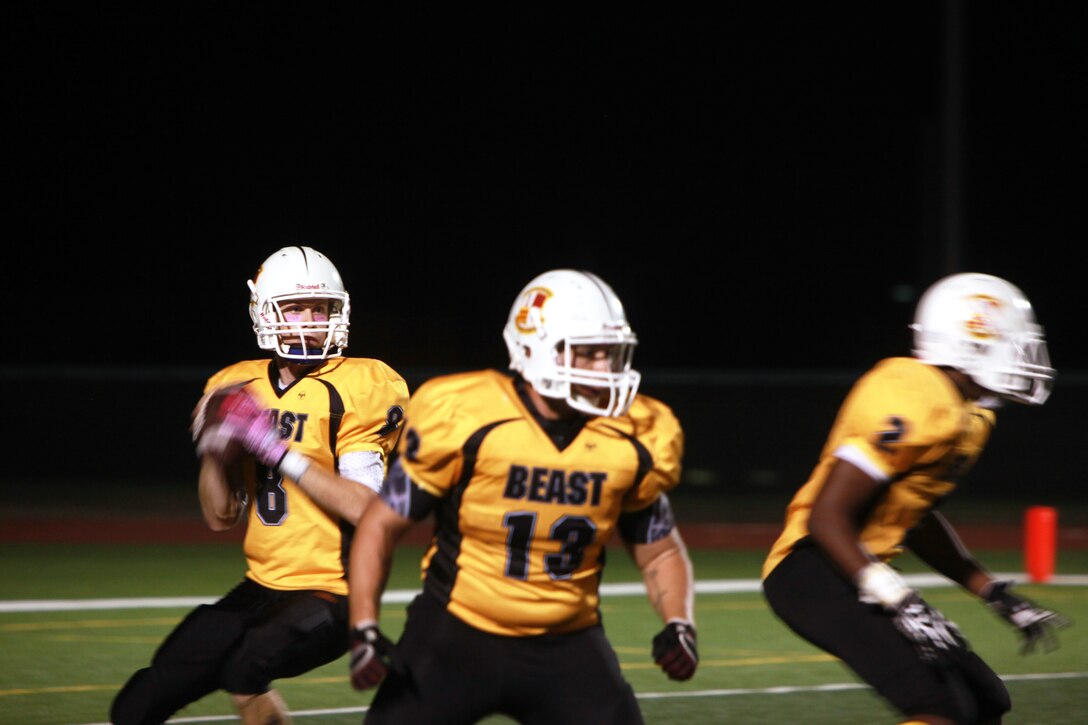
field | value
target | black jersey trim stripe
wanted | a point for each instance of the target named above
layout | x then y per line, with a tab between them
336	417
442	570
645	458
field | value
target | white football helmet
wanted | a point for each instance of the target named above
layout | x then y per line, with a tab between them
985	327
558	310
293	274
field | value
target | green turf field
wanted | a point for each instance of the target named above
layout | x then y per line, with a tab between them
63	667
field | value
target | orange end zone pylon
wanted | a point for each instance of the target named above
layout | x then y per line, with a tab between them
1040	542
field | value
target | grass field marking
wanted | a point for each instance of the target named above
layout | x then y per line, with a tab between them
84	605
60	689
735	692
85	624
776	690
833	687
403	596
399	596
739	661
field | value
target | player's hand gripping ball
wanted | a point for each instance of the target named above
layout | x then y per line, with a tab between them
212	423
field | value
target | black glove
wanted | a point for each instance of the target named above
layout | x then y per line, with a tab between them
371	653
934	638
1036	625
674	650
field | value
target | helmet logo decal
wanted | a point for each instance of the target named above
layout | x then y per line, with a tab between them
533	299
980	323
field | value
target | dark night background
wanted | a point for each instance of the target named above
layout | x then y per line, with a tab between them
767	186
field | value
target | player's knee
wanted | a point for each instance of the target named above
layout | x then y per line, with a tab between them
951	710
251	667
955	705
932	702
242	675
993	704
267	708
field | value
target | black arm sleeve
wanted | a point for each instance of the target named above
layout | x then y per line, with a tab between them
404	496
648	525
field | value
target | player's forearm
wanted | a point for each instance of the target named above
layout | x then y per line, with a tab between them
669	578
372	547
337	495
366	583
218	504
936	543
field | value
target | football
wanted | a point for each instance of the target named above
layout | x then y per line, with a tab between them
207	419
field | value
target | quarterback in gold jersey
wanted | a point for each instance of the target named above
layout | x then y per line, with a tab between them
906	434
528	478
296	446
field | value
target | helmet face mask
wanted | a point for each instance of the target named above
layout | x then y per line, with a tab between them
985	327
299	276
568	337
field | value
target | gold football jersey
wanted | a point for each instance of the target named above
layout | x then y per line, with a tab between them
346	405
519	545
904	422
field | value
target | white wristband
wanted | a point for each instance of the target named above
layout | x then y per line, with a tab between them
294	465
879	584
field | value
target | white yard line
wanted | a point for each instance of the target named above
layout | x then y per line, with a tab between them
400	596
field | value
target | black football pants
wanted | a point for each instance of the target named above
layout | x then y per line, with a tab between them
818	603
240	644
445	671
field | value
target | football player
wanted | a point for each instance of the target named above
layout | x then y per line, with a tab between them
527	476
297	447
905	435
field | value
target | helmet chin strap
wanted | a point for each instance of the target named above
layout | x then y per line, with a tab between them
990	401
300	350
